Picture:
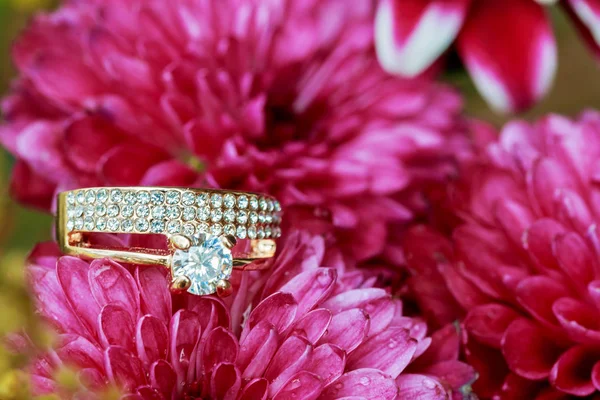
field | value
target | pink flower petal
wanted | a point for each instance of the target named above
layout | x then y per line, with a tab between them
154	293
290	358
527	350
572	373
390	352
421	387
313	325
123	368
279	309
256	389
510	73
454	374
163	378
411	35
77	351
356	298
184	331
328	363
366	382
220	347
488	323
113	284
116	327
211	312
89	138
578	319
126	165
52	302
575	258
225	382
347	329
257	348
151	340
167	173
537	294
29	187
303	385
72	274
310	288
78	81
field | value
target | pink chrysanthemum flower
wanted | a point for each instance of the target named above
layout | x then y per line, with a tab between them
524	267
284	97
306	331
507	46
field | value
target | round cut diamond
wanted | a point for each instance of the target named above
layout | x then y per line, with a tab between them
101	210
90	197
116	196
253	203
205	263
229	200
242	201
129	198
159	212
188	198
174	226
143	197
216	200
102	195
157	197
142	211
189	214
202	199
141	225
173	212
173	197
112	210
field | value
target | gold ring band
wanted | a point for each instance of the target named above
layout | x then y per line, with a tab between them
200	222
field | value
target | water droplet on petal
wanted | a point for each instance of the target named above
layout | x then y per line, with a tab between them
428	383
365	381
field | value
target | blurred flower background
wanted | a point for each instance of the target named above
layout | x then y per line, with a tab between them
576	87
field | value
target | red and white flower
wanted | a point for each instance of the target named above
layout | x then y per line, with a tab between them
507	45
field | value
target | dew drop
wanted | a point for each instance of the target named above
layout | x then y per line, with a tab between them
365	381
428	383
392	343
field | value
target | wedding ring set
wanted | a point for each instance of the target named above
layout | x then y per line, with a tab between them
209	232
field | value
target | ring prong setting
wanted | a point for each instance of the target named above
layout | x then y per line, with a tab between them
224	288
180	242
180	284
229	241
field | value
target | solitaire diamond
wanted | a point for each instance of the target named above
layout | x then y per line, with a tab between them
205	263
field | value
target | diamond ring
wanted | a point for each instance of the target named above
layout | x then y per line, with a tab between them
210	232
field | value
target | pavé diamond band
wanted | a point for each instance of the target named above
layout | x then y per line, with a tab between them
202	225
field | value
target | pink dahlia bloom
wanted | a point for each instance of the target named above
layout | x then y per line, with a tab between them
524	267
284	97
309	330
507	45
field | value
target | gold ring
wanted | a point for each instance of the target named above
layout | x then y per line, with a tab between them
202	227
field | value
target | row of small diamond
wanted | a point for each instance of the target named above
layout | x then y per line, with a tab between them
140	225
95	210
173	197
